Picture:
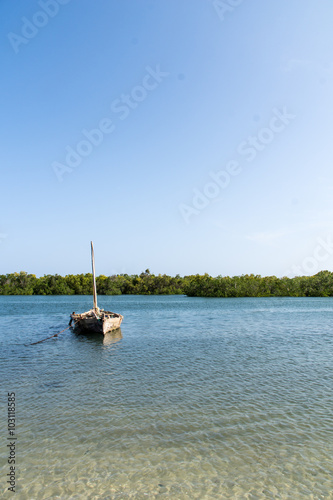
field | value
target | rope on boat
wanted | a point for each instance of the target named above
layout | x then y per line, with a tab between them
52	336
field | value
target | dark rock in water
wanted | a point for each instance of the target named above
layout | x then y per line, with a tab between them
53	385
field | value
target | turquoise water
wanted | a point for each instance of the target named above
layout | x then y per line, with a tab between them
193	399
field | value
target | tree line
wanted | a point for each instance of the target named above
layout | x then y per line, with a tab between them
248	285
81	284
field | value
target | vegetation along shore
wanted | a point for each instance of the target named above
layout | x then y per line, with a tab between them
248	285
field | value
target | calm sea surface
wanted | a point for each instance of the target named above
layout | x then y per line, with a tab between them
193	399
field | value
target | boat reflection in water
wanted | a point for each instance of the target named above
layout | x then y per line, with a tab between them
111	337
107	339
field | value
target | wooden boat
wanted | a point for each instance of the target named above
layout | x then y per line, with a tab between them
96	320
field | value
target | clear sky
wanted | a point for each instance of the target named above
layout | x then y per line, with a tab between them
184	136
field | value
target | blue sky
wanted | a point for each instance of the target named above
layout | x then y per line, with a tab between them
187	136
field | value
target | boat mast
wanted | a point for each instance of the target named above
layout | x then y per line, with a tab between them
94	277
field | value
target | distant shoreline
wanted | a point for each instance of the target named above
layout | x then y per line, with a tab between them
249	285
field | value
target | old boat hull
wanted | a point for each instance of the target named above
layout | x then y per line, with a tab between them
96	322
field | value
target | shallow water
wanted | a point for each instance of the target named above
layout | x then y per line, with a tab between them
193	399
